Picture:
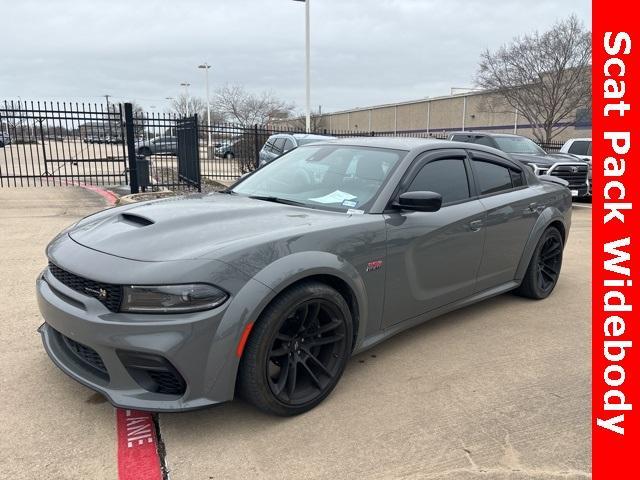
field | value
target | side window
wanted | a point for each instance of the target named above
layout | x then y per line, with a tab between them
269	145
288	145
448	177
492	178
460	138
580	147
517	178
278	145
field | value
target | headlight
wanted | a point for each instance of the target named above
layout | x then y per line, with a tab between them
171	298
537	169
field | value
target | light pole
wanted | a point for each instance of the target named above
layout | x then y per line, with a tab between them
186	86
206	68
307	71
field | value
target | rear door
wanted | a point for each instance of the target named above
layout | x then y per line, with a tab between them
433	257
511	214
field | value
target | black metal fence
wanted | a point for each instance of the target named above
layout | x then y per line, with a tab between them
551	147
53	143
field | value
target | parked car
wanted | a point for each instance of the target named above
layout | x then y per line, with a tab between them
4	139
267	289
580	147
562	165
281	143
157	145
227	149
93	139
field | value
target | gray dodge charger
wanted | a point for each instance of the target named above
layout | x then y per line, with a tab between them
266	290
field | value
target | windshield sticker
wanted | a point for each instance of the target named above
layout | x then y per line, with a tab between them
336	197
350	203
353	211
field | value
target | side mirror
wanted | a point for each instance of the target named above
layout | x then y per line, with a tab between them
419	201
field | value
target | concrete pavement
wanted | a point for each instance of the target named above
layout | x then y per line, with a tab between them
498	390
50	426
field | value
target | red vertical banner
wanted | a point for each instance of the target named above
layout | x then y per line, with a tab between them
616	181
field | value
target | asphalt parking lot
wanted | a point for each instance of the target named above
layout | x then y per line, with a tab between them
497	390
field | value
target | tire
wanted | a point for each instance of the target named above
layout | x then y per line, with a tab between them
297	350
144	151
543	271
229	156
1	144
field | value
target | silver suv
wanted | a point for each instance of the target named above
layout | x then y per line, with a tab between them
281	143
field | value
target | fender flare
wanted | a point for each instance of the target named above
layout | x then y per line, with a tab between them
548	216
249	303
288	270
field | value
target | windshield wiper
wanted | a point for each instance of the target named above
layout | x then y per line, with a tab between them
268	198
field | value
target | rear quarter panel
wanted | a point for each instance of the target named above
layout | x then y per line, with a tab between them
557	209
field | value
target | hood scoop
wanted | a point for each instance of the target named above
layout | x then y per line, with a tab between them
136	220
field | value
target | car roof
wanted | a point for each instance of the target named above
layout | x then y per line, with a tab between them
311	136
583	139
397	143
487	134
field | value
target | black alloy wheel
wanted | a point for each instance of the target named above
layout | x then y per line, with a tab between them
549	262
305	354
297	350
543	272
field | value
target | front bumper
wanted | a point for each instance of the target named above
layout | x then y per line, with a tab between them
185	343
199	348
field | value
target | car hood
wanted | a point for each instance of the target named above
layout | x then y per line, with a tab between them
194	226
546	159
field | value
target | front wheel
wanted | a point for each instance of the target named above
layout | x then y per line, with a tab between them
229	156
297	350
544	268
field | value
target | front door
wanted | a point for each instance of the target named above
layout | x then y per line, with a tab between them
433	257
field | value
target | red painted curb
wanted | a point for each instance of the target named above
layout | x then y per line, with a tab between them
137	446
108	195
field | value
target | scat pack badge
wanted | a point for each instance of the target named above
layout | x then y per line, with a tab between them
374	265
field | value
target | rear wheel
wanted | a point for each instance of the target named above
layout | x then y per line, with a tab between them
544	268
297	350
229	156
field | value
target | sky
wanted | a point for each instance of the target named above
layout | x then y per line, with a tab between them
363	52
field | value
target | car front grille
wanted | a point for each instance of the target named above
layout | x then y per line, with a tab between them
576	175
109	295
87	356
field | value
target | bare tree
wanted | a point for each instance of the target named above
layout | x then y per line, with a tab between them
545	76
187	105
237	105
300	122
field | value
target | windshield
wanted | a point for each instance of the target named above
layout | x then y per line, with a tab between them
518	145
334	177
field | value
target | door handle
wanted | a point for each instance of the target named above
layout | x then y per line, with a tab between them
475	225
